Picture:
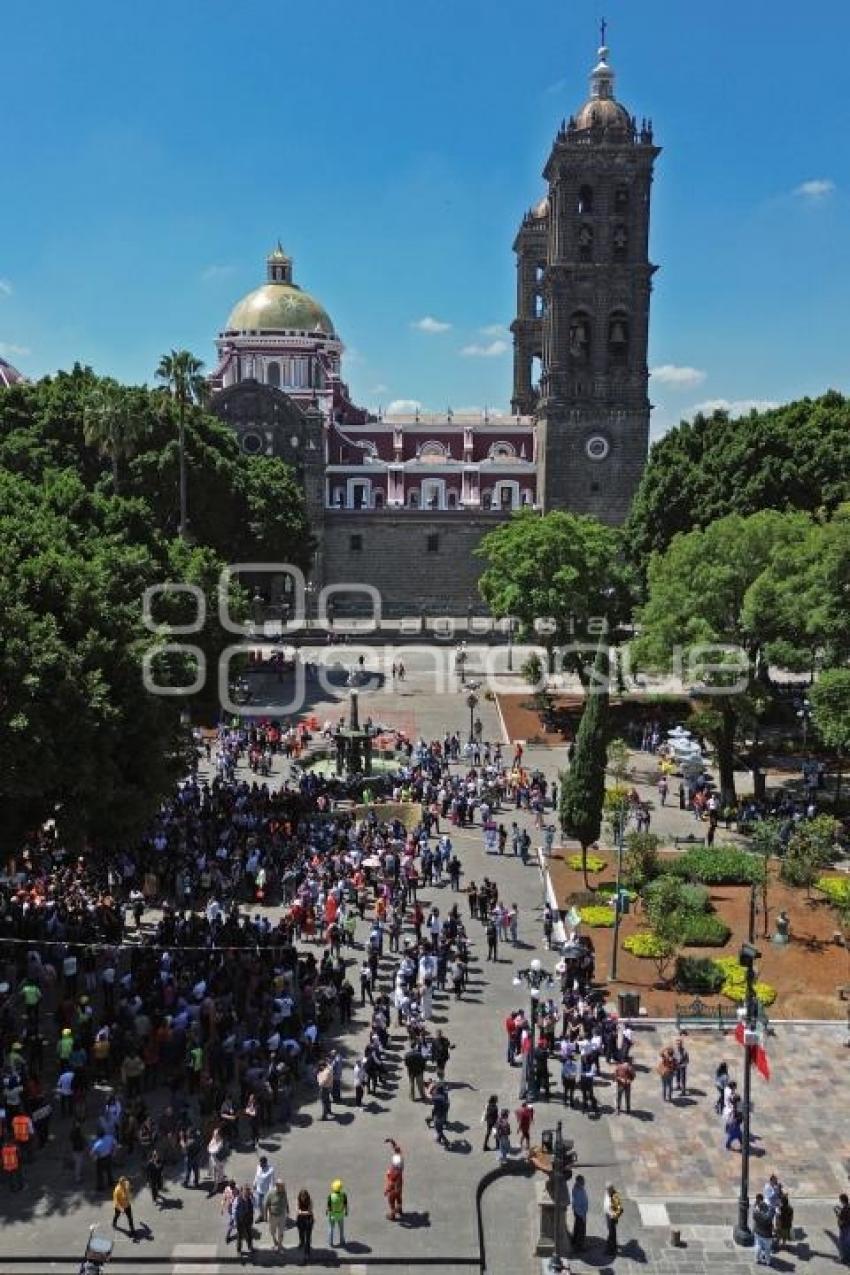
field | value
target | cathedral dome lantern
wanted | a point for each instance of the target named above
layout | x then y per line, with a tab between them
9	375
602	111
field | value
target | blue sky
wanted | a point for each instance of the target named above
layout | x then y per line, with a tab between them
153	153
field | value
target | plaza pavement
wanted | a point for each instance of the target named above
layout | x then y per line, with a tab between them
668	1162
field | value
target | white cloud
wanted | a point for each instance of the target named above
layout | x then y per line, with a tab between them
379	389
818	188
670	374
430	325
735	407
211	273
10	351
494	329
491	351
403	407
6	288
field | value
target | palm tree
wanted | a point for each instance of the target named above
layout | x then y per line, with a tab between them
181	372
112	425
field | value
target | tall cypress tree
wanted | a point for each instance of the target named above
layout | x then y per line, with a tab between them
583	788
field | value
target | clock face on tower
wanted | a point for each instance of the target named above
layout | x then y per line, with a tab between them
597	447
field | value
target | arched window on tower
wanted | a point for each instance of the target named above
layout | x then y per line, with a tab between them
621	243
580	337
585	242
621	200
539	305
584	205
273	375
618	337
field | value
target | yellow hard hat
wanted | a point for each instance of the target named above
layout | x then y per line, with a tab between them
336	1185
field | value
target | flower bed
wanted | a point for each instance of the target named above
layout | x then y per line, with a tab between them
597	917
594	863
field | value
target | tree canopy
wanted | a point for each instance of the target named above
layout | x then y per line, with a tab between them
791	457
583	786
562	567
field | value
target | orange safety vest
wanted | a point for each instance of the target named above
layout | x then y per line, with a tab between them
11	1159
21	1128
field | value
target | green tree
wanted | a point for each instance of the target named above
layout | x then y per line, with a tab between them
112	425
830	700
532	670
181	372
792	457
618	760
81	739
561	568
640	859
810	848
583	787
697	620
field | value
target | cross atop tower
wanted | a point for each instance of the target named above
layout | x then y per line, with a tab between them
603	31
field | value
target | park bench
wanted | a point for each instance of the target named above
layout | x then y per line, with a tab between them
689	840
696	1015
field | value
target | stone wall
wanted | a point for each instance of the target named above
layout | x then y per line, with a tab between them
394	557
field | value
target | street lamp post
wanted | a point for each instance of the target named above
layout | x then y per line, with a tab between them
510	644
618	902
742	1234
471	704
561	1174
534	977
804	712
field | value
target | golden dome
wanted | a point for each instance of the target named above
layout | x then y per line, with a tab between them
279	307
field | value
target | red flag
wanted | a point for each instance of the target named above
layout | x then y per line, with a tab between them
739	1033
762	1064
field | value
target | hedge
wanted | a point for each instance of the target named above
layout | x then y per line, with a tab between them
597	916
696	899
701	929
698	974
594	863
646	945
836	889
723	866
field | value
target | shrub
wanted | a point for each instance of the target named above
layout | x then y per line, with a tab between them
610	887
696	899
597	917
532	669
836	889
723	866
640	861
734	986
646	945
698	974
594	863
701	929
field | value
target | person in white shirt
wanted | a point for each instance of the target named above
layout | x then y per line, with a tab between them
264	1179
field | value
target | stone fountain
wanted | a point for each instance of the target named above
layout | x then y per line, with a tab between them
353	743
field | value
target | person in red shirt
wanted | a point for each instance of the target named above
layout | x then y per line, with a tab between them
524	1120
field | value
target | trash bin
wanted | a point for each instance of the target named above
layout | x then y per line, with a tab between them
628	1004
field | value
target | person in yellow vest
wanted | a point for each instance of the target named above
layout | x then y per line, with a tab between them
122	1203
23	1132
10	1158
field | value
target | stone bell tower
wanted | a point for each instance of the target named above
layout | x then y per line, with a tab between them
588	306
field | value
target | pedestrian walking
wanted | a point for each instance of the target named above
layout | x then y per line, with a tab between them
490	1119
613	1208
305	1220
243	1217
492	940
624	1075
681	1057
666	1070
842	1221
524	1120
721	1080
154	1174
581	1204
394	1182
122	1202
569	1079
763	1230
264	1179
337	1211
503	1135
277	1212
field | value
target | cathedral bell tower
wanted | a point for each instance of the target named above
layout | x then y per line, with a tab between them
585	309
